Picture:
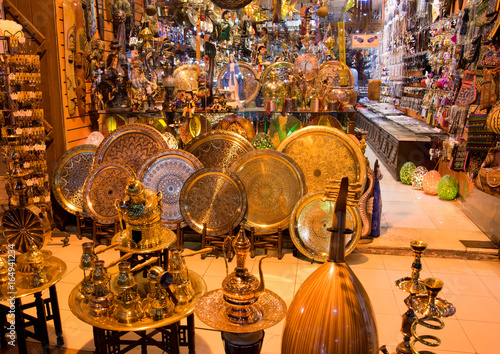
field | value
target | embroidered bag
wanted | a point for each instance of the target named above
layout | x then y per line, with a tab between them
467	93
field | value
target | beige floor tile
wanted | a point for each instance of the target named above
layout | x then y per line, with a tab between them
485	268
76	338
448	216
388	328
460	284
73	276
207	342
73	322
373	278
198	265
398	263
402	209
395	196
406	219
283	289
277	272
304	270
370	261
213	282
63	291
217	267
483	335
448	266
383	302
271	344
476	308
492	283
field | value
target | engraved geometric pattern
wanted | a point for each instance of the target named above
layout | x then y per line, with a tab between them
70	174
105	186
215	198
274	183
167	173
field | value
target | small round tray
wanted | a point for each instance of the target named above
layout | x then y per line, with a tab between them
167	172
274	184
215	198
69	177
310	220
211	307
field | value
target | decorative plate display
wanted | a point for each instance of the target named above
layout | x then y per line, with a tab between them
251	84
310	220
306	66
213	198
70	173
193	127
328	75
237	124
274	184
171	140
327	121
186	77
130	145
167	172
219	148
325	153
283	68
262	141
281	127
102	188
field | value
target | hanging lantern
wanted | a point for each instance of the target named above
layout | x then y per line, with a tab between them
322	12
431	181
406	172
417	178
448	188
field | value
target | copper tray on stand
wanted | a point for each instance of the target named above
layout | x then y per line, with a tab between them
274	184
325	153
213	198
219	149
167	172
70	173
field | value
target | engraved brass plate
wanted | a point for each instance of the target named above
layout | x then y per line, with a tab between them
283	68
306	66
215	198
237	124
130	145
251	84
328	76
211	310
219	149
310	220
274	184
186	77
281	127
71	171
102	188
193	127
325	153
167	172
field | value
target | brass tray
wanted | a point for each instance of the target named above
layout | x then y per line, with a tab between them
215	198
130	145
167	236
328	75
283	68
310	220
306	66
191	128
219	149
167	172
328	121
281	127
77	305
69	177
325	153
105	185
239	125
274	184
55	269
251	85
211	308
186	77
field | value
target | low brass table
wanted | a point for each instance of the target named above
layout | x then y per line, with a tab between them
108	332
46	309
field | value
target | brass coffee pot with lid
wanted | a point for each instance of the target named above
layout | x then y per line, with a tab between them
241	289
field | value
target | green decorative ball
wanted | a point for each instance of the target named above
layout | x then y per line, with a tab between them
447	187
406	172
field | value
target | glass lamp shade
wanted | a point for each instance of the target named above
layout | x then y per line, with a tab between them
406	172
417	178
95	138
447	188
171	140
431	181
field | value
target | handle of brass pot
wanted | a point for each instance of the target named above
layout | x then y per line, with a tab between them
138	267
113	245
121	259
202	251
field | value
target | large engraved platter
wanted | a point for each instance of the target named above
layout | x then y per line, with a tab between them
167	172
219	149
328	75
70	173
215	198
130	145
310	220
274	184
283	68
105	185
306	66
186	77
325	153
251	83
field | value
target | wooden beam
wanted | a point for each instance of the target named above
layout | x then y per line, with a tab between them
19	17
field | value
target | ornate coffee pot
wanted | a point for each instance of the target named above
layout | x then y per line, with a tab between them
241	289
158	304
87	263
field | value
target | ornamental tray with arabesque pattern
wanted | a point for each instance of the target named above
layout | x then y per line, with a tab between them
70	173
325	153
213	198
273	183
309	225
219	149
328	75
167	172
130	145
102	188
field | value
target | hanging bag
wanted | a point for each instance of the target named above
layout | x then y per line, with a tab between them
488	179
467	93
493	119
488	96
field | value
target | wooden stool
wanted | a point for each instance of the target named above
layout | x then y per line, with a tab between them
83	224
103	232
268	242
218	243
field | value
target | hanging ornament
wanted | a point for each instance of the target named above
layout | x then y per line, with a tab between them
288	9
231	4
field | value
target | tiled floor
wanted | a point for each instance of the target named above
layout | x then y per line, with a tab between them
472	286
